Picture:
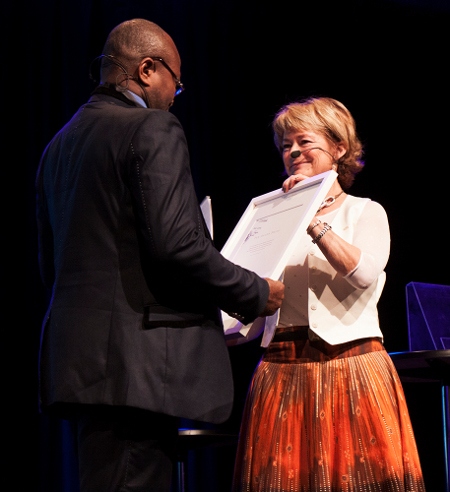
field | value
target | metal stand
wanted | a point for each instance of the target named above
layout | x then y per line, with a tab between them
425	366
190	439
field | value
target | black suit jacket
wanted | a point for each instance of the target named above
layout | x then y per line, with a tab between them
136	282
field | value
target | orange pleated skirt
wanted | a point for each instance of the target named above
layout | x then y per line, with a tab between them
323	418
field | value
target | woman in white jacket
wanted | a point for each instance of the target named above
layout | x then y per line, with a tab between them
326	410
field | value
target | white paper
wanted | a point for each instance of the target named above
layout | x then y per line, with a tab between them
205	205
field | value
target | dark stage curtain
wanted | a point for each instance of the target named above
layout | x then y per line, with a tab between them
241	60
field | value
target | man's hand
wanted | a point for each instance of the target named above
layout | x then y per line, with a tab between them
276	296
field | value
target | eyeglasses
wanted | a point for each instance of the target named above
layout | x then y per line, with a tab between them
179	86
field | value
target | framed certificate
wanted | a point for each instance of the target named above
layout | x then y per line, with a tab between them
268	231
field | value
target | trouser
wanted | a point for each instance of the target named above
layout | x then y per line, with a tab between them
125	450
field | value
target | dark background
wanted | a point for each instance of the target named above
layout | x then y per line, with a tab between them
387	61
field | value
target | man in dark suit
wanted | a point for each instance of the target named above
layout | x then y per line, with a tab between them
133	337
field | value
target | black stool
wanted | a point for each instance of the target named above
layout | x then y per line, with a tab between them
190	439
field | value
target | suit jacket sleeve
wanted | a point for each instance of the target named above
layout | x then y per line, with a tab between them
186	271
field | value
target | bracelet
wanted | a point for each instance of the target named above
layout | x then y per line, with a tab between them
321	233
312	227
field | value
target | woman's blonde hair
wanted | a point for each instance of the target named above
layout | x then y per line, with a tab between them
327	117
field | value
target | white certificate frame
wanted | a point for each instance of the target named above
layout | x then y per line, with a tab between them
269	230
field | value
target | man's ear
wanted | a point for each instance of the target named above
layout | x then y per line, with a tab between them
145	70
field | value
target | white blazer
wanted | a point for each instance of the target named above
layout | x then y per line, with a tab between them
338	310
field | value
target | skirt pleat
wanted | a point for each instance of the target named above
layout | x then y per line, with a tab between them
326	419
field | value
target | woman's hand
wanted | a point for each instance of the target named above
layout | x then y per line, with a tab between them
292	181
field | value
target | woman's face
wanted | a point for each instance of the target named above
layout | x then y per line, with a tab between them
307	153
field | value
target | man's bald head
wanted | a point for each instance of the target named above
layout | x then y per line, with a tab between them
134	39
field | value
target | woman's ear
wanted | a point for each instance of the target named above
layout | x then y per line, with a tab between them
341	149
